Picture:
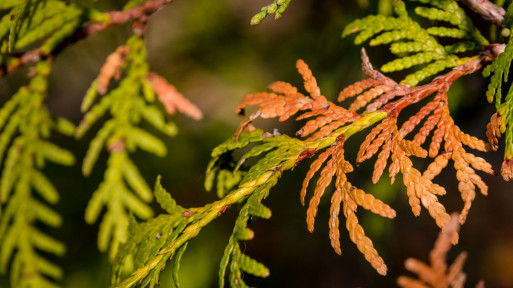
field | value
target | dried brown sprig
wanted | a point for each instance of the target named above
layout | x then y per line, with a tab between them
507	169
112	68
438	274
171	98
378	92
493	131
351	197
283	101
420	188
453	140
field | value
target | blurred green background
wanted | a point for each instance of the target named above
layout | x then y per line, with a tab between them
208	50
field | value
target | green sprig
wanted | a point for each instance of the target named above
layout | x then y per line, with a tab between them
277	7
498	71
124	190
20	241
35	22
407	36
161	239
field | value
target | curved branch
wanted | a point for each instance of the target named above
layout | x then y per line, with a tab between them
119	17
139	13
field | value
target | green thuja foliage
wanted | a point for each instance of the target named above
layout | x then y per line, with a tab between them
24	189
150	238
415	45
221	168
277	7
279	149
498	71
233	257
167	235
36	22
123	191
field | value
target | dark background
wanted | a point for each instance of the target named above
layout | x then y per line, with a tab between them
208	50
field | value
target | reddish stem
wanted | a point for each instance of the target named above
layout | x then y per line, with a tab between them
443	82
139	13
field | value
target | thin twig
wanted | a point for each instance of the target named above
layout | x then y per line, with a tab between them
442	82
120	17
140	12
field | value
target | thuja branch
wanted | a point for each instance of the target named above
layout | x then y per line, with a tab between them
277	7
421	46
416	45
328	130
255	185
380	94
119	17
135	99
208	213
94	21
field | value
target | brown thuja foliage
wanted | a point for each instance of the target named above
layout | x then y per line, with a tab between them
386	135
383	99
351	197
171	98
493	132
284	101
438	274
112	68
